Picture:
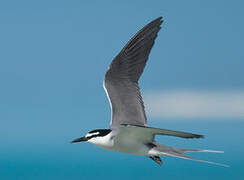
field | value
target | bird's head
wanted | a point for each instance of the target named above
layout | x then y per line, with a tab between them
92	135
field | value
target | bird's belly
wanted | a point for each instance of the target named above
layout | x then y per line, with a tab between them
130	146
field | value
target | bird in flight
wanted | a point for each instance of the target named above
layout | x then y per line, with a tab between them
128	132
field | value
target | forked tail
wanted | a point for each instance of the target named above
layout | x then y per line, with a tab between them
168	151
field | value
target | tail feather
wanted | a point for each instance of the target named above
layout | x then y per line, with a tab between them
183	156
175	152
200	150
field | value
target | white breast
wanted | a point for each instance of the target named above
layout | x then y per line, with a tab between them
103	141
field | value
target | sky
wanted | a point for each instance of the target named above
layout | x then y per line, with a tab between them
54	55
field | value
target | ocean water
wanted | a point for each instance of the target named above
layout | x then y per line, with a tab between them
53	157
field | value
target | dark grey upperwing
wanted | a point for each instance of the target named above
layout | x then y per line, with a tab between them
121	79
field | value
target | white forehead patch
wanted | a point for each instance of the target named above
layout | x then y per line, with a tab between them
91	134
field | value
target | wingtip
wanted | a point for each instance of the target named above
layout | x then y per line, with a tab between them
201	136
197	136
160	19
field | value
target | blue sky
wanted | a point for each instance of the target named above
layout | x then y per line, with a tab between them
54	55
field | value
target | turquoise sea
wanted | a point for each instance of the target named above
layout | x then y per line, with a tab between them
51	156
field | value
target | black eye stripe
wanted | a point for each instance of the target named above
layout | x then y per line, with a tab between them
101	132
92	136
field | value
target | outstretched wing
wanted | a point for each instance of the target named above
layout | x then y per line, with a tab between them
121	79
147	134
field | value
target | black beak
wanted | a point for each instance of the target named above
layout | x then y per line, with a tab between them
79	140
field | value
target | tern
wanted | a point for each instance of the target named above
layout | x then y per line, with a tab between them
128	132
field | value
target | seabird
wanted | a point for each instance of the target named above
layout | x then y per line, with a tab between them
128	132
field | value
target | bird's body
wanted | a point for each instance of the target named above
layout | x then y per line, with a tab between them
121	142
128	132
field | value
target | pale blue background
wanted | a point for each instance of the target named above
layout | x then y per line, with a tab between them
53	56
